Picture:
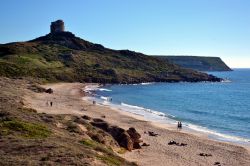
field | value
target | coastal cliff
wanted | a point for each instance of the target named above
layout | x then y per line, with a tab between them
197	62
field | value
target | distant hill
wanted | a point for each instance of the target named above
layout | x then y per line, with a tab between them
61	56
197	62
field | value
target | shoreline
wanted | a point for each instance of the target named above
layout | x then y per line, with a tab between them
168	124
68	99
185	130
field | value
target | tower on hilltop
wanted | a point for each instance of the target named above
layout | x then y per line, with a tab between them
57	26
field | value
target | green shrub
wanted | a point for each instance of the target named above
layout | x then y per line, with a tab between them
97	146
110	160
88	142
25	129
73	127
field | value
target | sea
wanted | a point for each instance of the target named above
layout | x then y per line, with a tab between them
220	110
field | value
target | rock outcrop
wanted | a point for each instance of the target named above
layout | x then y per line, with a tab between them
129	139
135	136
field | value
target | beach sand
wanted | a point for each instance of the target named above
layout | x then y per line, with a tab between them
68	99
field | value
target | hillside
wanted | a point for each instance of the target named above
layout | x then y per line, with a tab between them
198	63
62	56
31	138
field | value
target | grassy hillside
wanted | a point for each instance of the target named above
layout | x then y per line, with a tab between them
64	57
198	63
31	138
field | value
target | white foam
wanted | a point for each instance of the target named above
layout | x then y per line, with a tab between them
144	83
90	88
142	109
103	89
132	106
147	83
217	134
105	102
104	98
226	81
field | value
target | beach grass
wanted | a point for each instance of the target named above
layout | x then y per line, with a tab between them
24	129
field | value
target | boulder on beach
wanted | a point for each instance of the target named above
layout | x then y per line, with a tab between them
145	144
86	117
125	141
151	133
135	136
129	139
50	91
116	131
176	143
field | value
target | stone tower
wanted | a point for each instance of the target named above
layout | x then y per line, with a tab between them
57	26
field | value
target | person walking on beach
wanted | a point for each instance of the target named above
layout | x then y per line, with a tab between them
179	125
51	103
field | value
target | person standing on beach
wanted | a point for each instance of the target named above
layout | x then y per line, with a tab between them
51	103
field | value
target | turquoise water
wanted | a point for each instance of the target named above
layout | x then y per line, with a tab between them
220	109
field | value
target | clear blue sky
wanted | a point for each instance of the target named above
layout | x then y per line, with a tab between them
157	27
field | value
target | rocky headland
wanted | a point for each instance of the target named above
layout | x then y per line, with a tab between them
197	62
61	56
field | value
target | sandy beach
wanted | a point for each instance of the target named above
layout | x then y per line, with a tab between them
68	98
